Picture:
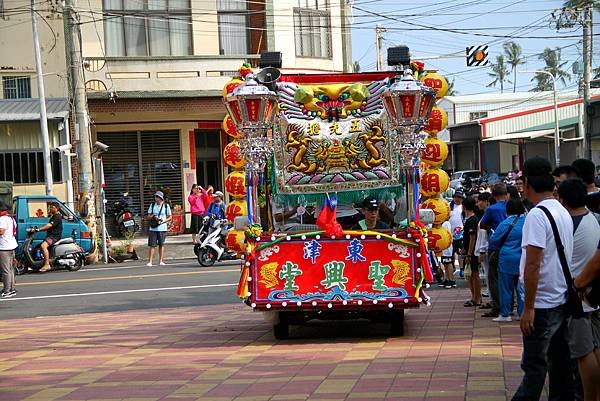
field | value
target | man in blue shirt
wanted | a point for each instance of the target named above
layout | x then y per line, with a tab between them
493	216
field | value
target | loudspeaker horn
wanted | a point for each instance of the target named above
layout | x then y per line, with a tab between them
268	77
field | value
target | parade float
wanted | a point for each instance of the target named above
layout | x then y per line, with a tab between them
324	139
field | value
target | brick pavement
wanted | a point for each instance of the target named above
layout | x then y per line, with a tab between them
227	352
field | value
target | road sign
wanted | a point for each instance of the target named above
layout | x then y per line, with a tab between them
477	56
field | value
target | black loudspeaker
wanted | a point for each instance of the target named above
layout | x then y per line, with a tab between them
268	77
399	55
270	59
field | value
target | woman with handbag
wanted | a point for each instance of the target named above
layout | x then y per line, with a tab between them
507	239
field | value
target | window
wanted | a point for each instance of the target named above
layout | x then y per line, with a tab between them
312	30
233	27
16	87
27	167
476	115
148	27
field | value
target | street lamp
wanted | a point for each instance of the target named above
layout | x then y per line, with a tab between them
556	128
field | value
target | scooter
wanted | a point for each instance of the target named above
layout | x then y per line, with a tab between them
64	253
212	246
122	212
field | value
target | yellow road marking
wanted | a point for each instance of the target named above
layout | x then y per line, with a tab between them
80	280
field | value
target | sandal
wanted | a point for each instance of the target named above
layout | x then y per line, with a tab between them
490	314
487	305
469	303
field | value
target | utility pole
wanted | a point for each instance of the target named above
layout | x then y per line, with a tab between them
587	69
378	39
42	98
83	136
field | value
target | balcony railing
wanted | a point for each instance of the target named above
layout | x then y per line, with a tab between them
177	73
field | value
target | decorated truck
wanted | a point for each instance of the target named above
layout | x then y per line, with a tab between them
325	142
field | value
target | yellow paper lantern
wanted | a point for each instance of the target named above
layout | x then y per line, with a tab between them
235	184
236	208
438	120
230	86
437	82
438	238
434	181
235	241
435	152
233	156
440	208
229	128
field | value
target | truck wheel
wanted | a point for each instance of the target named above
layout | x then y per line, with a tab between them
281	330
397	323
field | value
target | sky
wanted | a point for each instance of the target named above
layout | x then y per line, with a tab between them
441	30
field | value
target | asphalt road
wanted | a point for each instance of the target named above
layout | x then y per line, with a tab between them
131	285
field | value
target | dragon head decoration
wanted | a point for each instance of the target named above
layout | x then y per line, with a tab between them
333	101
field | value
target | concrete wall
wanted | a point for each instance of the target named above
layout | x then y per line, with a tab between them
16	48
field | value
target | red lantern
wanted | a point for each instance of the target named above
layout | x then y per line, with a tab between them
233	155
235	241
235	184
438	120
236	208
229	128
437	82
230	86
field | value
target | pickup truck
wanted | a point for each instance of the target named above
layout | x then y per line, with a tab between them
32	211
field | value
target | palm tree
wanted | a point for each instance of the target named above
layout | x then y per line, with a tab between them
356	66
554	66
451	91
499	73
582	3
513	52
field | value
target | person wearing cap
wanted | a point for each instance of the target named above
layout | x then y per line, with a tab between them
159	214
217	208
54	230
370	209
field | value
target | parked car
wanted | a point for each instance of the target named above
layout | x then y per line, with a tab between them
458	178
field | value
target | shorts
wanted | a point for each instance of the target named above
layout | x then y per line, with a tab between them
50	241
196	223
447	259
457	245
584	335
474	263
156	238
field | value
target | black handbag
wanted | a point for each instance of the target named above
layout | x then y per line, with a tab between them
574	306
153	223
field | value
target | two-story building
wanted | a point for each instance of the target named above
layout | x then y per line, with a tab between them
155	70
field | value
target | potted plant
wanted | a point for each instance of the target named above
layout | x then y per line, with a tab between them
128	236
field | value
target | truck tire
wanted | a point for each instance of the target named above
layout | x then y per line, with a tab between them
397	323
281	330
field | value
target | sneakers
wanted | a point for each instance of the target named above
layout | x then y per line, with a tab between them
8	294
149	264
461	273
502	319
162	263
450	284
442	284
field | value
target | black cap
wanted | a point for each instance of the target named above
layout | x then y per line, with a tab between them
536	167
370	203
460	194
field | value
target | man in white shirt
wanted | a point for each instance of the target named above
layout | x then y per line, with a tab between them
456	224
8	244
544	319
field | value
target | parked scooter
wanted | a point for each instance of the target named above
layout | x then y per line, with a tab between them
123	215
210	246
64	253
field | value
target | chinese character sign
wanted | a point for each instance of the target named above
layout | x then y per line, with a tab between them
333	270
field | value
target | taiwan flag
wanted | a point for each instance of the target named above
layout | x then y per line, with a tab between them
327	221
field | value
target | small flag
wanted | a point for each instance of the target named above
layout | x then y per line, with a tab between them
327	218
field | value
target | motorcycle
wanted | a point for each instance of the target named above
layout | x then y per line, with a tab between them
210	243
123	216
64	253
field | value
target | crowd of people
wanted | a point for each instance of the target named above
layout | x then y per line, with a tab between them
535	245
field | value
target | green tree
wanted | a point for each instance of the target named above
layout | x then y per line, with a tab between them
451	90
582	3
513	52
555	66
499	73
